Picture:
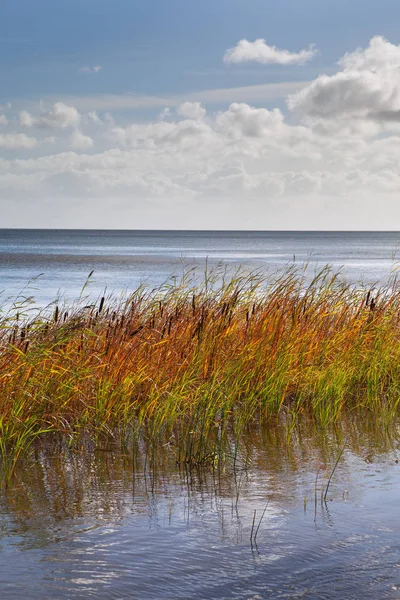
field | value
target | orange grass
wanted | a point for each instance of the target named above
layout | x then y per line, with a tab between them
183	365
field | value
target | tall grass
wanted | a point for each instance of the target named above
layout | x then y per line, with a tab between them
193	366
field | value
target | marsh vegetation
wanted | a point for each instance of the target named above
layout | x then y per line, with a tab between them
192	367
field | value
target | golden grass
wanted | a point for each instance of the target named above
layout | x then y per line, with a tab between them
185	365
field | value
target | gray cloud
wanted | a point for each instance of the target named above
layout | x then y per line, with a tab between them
366	87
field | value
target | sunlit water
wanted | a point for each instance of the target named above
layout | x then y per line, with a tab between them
96	524
58	262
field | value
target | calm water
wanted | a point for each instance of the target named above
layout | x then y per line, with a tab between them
122	260
98	525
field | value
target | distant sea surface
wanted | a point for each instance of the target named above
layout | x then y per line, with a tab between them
49	263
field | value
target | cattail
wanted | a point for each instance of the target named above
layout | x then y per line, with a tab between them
136	331
56	315
101	304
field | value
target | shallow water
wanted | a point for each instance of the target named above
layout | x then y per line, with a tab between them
98	524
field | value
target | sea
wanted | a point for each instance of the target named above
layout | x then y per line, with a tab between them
48	265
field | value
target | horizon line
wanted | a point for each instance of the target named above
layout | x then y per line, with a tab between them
159	230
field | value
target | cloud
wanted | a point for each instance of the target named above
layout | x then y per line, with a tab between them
79	141
3	120
166	113
259	51
94	117
26	119
95	69
158	134
17	141
367	87
192	110
243	121
60	115
241	154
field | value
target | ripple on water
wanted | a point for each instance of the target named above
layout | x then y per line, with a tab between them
128	535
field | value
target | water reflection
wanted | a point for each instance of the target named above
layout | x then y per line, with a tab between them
106	524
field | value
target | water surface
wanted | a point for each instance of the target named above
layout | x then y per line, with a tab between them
61	260
100	524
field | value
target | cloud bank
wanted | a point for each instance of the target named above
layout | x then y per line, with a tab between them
328	160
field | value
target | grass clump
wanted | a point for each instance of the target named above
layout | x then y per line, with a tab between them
192	366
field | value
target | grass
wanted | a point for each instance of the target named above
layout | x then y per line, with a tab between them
191	367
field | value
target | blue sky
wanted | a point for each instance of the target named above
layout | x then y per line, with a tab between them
187	114
170	46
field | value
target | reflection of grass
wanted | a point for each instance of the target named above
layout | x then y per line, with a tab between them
184	366
55	483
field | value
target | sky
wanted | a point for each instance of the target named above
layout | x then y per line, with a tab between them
181	114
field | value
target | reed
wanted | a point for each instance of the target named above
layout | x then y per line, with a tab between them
192	366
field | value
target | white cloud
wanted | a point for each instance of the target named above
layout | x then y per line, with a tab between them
79	141
242	120
242	154
94	117
156	134
366	87
17	141
95	69
59	115
259	51
3	120
164	114
26	119
192	110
